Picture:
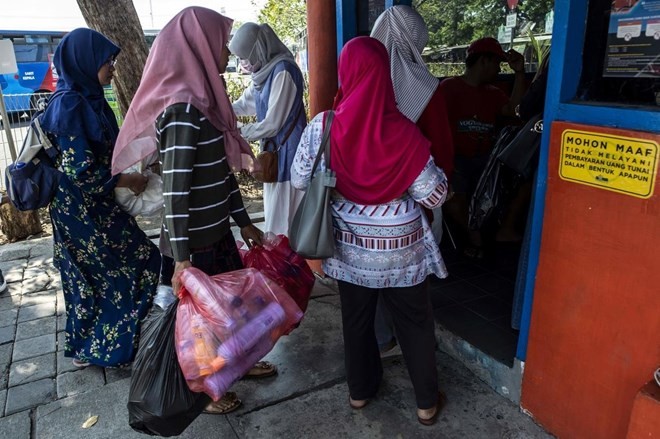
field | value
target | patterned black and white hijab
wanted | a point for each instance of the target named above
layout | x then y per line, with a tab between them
403	32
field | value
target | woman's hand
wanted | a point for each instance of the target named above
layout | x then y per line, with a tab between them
135	181
176	277
156	168
252	235
516	61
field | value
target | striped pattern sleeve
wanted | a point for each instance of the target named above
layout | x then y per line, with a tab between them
178	132
237	209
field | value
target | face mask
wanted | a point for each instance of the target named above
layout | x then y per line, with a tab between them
247	66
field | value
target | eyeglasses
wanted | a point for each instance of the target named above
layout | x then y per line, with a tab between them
111	62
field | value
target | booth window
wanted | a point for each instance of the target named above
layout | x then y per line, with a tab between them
621	56
367	13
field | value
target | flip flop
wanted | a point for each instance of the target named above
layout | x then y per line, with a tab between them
227	404
261	369
442	400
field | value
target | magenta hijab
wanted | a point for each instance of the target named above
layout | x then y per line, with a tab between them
376	151
183	67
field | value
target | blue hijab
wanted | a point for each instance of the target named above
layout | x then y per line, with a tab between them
78	106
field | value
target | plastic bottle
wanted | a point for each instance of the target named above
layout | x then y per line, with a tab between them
205	292
203	348
217	384
245	338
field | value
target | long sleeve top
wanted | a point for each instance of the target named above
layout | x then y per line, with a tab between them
280	102
378	246
86	166
200	191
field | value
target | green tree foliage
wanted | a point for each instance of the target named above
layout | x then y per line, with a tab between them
535	11
457	22
288	18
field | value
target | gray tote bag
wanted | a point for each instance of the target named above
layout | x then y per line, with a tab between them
311	234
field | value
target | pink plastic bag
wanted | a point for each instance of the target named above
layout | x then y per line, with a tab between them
277	260
226	323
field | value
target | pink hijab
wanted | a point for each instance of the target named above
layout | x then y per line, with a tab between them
182	67
376	151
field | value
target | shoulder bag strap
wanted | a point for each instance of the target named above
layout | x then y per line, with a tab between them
293	124
324	148
42	136
288	133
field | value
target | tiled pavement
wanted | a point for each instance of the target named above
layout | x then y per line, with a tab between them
43	396
31	314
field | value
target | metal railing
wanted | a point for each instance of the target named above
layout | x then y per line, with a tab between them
19	121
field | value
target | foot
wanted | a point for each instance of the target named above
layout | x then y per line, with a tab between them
226	404
357	404
80	364
429	416
387	346
391	350
473	252
261	369
3	284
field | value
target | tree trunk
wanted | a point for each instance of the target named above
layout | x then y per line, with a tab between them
16	225
118	20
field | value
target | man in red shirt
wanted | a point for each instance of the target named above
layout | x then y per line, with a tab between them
474	106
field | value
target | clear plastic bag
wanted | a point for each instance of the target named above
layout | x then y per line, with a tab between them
226	323
278	261
164	296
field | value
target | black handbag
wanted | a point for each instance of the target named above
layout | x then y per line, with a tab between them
521	154
490	188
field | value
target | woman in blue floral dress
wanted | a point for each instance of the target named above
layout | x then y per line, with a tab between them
109	267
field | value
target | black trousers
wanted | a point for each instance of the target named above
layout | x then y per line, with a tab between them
413	322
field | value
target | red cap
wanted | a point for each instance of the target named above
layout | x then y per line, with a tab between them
487	45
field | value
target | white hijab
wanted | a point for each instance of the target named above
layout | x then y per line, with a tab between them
403	32
258	44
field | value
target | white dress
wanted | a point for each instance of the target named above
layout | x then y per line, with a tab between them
280	199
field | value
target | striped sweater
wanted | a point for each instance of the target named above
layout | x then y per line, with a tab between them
200	191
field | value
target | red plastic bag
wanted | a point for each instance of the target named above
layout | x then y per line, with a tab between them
226	323
278	261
